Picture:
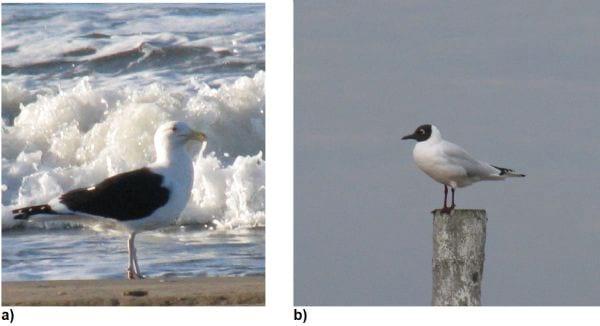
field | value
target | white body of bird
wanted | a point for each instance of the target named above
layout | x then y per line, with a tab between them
449	164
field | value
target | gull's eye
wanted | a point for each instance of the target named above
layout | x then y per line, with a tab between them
421	131
174	129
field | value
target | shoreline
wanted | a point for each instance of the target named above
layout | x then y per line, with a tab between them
198	291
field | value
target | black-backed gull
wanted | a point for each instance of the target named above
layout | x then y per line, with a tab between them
139	200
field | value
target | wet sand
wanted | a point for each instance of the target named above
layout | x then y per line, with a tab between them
202	291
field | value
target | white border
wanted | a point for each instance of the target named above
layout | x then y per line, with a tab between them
279	245
279	241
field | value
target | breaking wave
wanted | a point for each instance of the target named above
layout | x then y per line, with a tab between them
57	140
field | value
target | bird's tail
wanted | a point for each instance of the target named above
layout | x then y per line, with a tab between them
25	212
504	172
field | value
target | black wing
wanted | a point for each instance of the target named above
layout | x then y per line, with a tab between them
126	196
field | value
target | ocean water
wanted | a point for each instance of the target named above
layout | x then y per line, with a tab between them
84	86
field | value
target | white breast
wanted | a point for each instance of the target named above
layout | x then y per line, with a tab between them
430	159
178	178
179	181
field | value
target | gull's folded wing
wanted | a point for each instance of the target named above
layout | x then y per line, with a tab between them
126	196
473	168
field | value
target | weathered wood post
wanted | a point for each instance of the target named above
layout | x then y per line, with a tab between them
458	255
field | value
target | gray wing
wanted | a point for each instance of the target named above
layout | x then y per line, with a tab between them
456	155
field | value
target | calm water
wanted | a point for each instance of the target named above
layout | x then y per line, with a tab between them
84	254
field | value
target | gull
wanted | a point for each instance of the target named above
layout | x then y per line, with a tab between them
449	164
140	200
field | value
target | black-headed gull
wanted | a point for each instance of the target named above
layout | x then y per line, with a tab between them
449	164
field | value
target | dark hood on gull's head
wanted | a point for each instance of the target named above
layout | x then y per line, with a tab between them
422	133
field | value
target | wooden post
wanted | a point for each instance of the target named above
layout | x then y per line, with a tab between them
458	255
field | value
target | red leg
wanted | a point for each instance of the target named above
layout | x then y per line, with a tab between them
446	209
445	195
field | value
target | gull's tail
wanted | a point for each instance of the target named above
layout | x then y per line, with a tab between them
504	172
25	212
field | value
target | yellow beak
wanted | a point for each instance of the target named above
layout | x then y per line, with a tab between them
196	135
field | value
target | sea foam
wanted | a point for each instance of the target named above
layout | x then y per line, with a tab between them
57	140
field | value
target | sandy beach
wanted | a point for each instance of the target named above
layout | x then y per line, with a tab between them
201	291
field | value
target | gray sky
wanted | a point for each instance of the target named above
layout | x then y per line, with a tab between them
516	83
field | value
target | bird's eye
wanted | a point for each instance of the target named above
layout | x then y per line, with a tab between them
421	131
174	129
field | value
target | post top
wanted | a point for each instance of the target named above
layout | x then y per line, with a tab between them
460	214
460	211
